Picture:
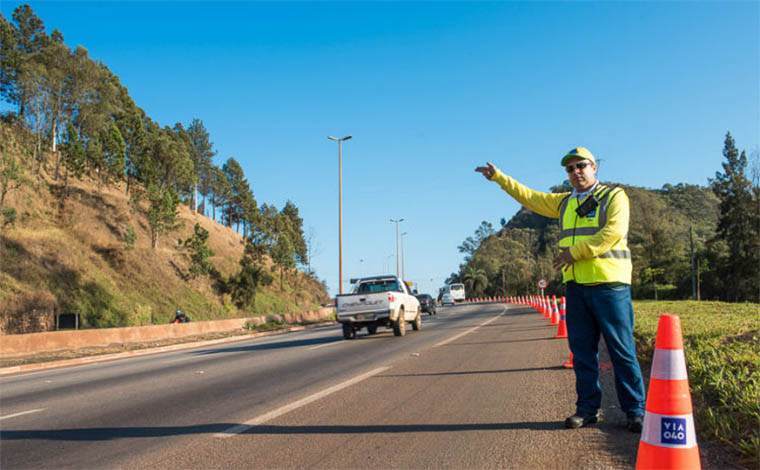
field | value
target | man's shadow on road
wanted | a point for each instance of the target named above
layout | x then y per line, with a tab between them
115	433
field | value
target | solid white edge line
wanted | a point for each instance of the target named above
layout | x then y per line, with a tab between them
297	404
325	345
21	413
446	341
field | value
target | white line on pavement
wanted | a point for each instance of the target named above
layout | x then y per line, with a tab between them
21	414
297	404
468	331
325	345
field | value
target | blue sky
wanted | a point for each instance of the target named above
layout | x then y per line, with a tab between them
429	91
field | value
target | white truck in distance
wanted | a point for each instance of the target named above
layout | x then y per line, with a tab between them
377	301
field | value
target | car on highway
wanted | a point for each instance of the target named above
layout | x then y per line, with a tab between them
427	304
378	301
447	299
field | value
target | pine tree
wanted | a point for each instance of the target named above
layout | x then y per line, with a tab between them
202	153
738	226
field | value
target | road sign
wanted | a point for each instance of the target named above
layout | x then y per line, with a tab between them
542	284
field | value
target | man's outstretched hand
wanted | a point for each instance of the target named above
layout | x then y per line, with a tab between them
487	171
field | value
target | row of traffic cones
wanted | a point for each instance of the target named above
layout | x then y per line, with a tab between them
668	438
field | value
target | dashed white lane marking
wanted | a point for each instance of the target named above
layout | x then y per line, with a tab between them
468	331
297	404
325	345
21	413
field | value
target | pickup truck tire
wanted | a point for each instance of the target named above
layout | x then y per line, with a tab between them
417	323
371	330
399	326
348	332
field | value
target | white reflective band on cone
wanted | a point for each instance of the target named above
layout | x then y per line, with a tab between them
669	364
676	431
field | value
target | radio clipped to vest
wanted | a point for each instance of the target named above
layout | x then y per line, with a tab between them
592	202
588	205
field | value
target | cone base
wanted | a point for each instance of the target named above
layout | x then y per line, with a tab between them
667	458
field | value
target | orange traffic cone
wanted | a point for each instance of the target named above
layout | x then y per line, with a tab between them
562	327
547	310
569	363
554	311
668	439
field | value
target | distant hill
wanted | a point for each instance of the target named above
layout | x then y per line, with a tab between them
511	259
78	261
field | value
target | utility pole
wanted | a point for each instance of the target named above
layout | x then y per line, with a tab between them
396	221
340	210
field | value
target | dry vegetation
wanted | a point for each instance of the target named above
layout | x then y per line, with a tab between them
55	260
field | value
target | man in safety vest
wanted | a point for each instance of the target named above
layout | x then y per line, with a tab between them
596	269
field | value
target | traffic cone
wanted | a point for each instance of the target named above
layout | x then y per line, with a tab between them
562	327
668	439
569	363
555	311
547	310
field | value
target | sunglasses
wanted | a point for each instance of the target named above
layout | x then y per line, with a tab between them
579	165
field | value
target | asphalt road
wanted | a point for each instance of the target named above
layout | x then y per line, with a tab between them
480	386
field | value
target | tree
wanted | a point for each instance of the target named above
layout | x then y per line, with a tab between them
21	42
162	212
283	255
475	279
244	285
650	274
738	225
239	190
470	245
202	151
295	232
11	179
165	168
221	192
199	252
11	176
131	123
74	164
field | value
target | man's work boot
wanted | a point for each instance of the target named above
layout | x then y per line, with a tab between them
635	423
578	420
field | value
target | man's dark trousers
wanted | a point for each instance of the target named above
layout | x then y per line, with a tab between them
605	310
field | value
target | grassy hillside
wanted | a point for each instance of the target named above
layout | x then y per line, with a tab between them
78	260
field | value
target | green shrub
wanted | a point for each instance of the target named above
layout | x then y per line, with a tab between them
95	305
130	238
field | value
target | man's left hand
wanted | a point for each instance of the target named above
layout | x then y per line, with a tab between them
563	260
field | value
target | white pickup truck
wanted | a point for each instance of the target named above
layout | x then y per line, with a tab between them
377	301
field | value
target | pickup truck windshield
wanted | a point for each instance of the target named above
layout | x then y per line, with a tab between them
381	285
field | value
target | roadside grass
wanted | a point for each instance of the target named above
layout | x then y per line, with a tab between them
266	326
722	349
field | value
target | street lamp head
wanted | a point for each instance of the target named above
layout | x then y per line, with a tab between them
348	137
331	137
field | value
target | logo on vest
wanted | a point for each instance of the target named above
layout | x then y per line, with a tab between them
673	430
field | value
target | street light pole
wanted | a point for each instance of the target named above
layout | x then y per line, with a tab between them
397	221
340	210
403	275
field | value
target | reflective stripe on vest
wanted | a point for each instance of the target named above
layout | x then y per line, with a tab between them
611	266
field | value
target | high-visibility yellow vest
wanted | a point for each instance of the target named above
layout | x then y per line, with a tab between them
612	266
